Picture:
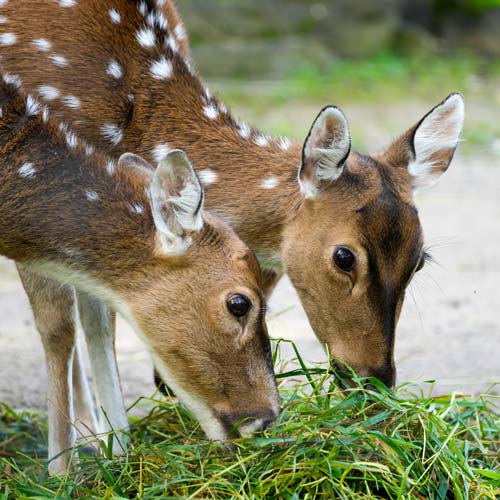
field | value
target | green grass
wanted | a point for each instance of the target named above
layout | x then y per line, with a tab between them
380	82
385	76
356	444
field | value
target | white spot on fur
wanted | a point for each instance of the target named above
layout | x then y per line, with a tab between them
27	170
71	140
67	3
261	140
110	167
161	69
45	114
63	127
42	44
91	195
172	44
58	60
180	32
136	208
8	39
143	8
210	112
33	107
146	37
160	151
244	130
48	92
160	21
113	133
207	176
12	80
222	107
89	150
269	183
3	3
71	101
3	19
284	143
115	16
114	69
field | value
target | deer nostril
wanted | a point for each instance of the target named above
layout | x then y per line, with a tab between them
267	423
247	425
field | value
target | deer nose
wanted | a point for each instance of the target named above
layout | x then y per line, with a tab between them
246	425
386	374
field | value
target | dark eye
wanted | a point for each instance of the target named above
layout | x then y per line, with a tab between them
344	259
238	305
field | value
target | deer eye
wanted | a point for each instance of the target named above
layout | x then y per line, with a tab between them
238	305
344	259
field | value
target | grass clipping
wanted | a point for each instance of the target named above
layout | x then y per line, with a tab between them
327	443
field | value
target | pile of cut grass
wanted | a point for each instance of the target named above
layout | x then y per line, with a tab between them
356	444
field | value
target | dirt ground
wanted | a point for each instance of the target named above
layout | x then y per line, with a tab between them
449	331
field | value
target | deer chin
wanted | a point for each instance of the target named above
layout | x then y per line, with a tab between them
212	426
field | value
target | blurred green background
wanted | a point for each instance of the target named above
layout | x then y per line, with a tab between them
267	56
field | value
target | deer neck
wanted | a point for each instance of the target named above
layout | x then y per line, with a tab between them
65	211
250	179
132	89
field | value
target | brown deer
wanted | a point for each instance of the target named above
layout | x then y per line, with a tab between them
140	242
342	224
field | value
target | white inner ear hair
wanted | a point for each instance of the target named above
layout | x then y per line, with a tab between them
438	132
328	144
174	215
185	205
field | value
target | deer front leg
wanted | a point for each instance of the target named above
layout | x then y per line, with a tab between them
85	414
53	311
98	324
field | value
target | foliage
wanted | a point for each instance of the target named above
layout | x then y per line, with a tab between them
351	444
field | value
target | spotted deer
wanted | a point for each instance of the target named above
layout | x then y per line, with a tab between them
140	242
341	223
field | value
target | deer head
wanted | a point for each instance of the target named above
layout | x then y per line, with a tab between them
356	241
199	306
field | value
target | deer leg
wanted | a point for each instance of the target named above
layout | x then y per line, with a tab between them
53	311
98	324
85	412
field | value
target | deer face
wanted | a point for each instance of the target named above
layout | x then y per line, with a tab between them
201	309
357	241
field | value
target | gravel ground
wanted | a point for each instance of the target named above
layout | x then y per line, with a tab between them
449	331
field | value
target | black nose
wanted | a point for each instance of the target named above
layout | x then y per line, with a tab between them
344	374
387	375
259	420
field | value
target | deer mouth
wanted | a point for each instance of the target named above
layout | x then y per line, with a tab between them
344	376
245	426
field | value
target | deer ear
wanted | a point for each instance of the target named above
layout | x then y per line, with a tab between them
133	162
325	151
177	202
427	149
